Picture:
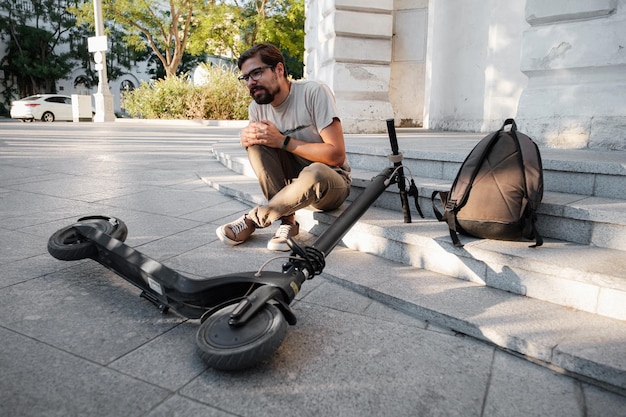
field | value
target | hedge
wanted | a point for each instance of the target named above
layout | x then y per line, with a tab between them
221	98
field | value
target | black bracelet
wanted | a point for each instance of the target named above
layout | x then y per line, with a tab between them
285	142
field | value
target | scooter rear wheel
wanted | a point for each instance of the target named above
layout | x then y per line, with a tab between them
68	245
227	347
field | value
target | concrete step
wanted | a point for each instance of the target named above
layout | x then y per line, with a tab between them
439	155
584	345
577	276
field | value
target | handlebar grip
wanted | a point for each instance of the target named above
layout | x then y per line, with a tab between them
393	139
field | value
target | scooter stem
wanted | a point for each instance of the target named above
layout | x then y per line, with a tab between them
336	231
404	198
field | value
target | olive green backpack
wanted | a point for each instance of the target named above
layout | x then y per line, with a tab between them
497	190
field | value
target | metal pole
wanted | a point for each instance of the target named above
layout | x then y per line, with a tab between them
336	231
103	98
404	198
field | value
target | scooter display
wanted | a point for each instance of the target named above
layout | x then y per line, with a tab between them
243	315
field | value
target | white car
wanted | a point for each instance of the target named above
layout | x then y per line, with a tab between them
44	107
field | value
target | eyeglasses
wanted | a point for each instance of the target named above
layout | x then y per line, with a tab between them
255	74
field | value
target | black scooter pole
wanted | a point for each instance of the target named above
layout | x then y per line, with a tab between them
336	231
404	198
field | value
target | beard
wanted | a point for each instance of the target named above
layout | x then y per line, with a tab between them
261	95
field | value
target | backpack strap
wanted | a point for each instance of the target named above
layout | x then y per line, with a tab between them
415	194
443	196
447	215
530	229
532	207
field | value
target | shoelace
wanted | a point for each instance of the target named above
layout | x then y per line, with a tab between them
283	231
239	226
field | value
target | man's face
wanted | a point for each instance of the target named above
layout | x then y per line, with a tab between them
266	87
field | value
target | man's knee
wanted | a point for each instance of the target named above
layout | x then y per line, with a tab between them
315	173
257	153
327	185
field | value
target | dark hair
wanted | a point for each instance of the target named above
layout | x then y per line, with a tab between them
269	54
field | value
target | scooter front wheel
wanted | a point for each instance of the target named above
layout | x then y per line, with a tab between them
68	245
227	347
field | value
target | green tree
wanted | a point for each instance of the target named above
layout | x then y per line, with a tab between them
33	31
182	32
285	28
235	25
161	27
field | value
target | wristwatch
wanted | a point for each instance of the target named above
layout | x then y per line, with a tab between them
285	142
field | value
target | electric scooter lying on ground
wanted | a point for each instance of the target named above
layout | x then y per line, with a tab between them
243	315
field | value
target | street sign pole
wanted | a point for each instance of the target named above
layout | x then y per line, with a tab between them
98	46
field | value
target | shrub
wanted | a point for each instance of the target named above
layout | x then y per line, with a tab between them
221	98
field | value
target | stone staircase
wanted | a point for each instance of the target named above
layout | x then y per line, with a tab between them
580	268
582	264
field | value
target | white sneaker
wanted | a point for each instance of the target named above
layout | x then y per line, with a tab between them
279	241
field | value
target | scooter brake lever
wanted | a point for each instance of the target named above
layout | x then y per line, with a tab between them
295	248
312	258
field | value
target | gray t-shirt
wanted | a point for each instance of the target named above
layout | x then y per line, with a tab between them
309	108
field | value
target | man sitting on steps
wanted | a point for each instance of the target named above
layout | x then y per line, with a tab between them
295	145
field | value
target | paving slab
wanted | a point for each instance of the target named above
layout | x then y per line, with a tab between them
41	380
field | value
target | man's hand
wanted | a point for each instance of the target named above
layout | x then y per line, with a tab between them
262	133
332	151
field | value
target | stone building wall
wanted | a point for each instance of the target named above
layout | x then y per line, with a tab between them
473	78
574	54
558	66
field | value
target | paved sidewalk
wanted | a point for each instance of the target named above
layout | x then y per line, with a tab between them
76	340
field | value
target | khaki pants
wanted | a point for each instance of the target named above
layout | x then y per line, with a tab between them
290	183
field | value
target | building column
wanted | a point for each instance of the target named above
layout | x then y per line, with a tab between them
408	67
348	46
574	54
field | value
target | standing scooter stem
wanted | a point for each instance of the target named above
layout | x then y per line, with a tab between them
397	162
333	235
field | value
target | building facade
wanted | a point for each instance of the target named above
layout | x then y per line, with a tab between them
558	67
